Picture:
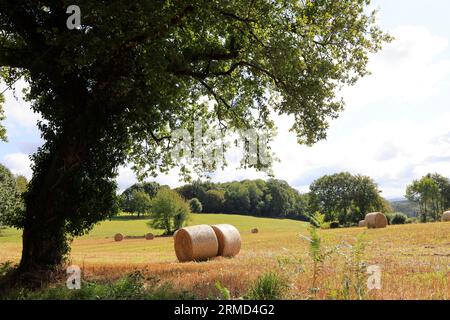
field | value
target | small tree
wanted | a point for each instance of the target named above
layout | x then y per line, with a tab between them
196	205
140	203
169	211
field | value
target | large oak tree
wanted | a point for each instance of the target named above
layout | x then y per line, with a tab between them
112	90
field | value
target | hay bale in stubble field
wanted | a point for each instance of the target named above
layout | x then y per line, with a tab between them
118	237
376	220
149	236
229	239
446	216
254	230
362	223
196	243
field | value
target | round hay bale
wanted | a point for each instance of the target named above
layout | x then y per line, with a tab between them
118	237
229	239
254	230
376	220
196	243
446	216
362	223
149	236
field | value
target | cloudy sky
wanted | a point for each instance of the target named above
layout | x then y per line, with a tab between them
395	128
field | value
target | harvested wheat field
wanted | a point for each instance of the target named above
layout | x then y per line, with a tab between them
414	258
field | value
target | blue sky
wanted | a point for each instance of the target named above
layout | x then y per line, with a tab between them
395	127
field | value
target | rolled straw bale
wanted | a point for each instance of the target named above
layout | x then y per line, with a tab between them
376	220
229	239
149	236
196	243
118	237
362	223
254	230
446	216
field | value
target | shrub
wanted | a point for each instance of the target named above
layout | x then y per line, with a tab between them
318	220
169	211
334	225
397	218
196	205
412	220
269	286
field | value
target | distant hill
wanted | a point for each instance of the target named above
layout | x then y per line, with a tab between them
407	207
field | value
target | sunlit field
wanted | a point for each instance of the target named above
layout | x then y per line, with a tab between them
414	259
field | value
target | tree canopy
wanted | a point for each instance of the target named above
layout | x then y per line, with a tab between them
345	197
115	88
432	194
137	198
11	203
169	211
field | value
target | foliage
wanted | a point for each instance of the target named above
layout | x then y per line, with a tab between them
397	218
411	220
131	287
432	194
2	115
345	197
127	200
11	202
318	221
269	286
224	292
114	90
21	184
318	255
140	202
213	201
272	198
386	206
353	283
195	205
169	211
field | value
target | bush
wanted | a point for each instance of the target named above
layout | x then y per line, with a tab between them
169	211
334	225
397	218
269	286
412	220
196	205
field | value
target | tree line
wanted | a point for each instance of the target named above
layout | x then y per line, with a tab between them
343	198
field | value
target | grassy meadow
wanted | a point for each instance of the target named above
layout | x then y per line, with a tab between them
414	259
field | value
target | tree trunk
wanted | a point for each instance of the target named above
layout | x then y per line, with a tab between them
44	239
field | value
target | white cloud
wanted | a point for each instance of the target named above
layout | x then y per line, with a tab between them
407	70
18	112
18	163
